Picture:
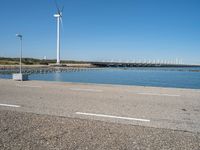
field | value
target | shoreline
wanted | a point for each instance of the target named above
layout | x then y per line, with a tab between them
104	85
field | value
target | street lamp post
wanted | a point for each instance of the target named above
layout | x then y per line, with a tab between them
20	76
20	37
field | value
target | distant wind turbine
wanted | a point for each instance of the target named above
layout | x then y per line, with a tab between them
58	15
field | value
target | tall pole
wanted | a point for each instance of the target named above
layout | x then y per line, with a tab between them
21	56
58	40
20	37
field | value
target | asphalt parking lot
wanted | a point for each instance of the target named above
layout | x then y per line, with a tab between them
52	115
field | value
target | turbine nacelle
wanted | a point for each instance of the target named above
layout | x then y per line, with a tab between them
57	15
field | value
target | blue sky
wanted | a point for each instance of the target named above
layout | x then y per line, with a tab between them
103	29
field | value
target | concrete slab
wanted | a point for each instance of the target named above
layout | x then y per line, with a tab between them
20	77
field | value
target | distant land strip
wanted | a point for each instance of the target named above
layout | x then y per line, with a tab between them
7	63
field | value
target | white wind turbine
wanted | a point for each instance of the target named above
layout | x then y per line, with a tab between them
58	15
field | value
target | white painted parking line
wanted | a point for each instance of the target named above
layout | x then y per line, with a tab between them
114	117
8	105
159	94
30	86
86	90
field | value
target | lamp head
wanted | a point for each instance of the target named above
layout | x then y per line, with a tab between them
19	35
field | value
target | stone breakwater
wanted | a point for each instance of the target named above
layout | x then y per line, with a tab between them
30	69
41	69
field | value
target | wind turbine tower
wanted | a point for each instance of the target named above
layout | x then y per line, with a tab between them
58	16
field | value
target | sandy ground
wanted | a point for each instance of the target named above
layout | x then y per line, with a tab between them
43	132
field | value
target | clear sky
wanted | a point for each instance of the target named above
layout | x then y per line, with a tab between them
103	29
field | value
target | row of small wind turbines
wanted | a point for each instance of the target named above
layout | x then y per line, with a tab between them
140	61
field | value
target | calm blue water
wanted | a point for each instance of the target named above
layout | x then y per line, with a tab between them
161	77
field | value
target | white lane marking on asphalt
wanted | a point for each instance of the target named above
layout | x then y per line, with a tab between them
110	116
8	105
159	94
87	90
30	86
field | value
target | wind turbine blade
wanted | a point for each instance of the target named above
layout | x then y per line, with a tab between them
61	23
57	7
62	9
